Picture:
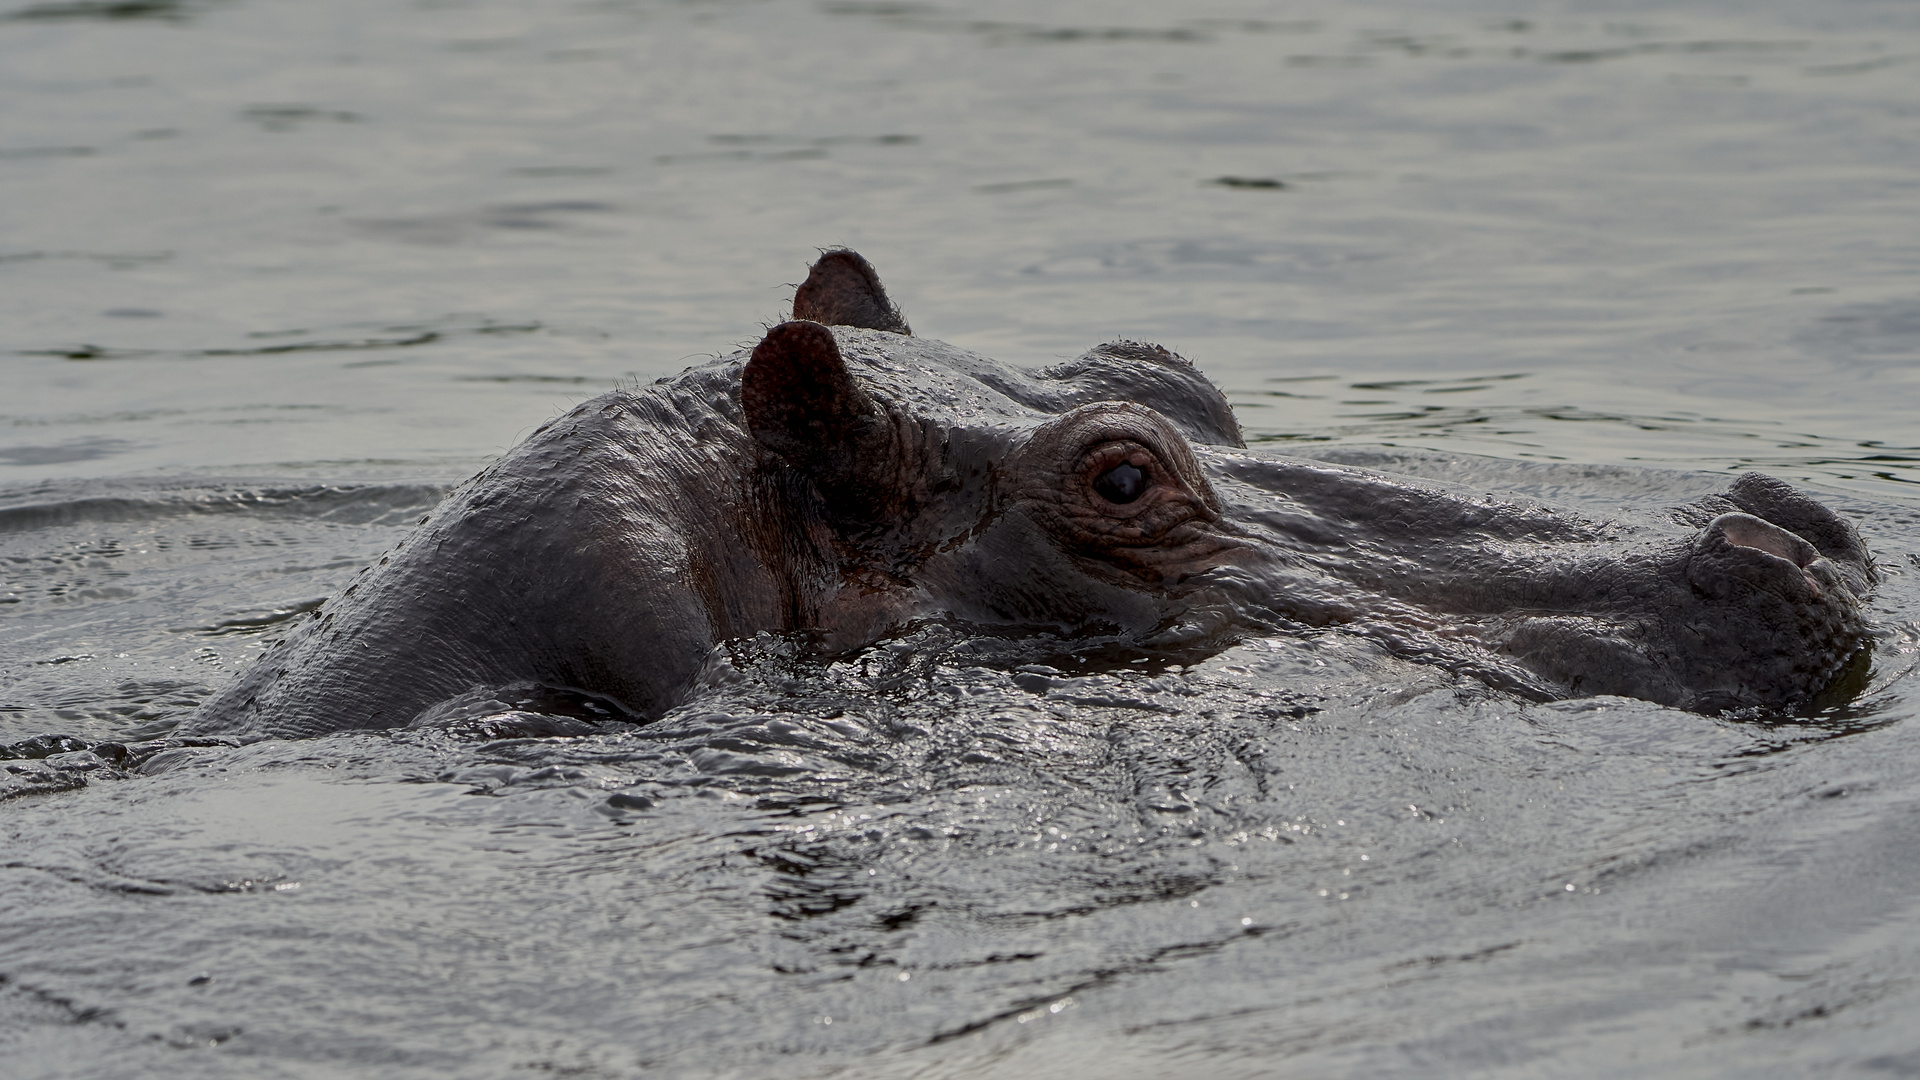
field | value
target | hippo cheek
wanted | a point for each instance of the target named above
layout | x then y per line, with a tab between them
861	612
1012	573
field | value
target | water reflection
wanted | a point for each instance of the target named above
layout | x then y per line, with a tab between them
70	451
110	10
1399	413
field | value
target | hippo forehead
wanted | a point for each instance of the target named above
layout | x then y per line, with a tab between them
937	381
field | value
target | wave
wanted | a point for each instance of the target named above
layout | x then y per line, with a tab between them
61	503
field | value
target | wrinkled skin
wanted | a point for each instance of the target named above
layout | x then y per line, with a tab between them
846	478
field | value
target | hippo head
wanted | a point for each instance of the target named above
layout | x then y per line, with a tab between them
846	479
1113	494
941	484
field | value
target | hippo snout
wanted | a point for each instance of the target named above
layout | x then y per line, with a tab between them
1759	602
1770	606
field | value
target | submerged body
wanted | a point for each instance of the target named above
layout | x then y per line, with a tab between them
848	479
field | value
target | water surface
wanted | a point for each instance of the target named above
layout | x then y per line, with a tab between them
277	274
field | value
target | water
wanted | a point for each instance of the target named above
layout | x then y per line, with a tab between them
276	274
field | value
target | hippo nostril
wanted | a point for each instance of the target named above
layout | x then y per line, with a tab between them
1750	532
1121	484
1754	534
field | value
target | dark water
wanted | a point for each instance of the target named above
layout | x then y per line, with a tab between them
275	274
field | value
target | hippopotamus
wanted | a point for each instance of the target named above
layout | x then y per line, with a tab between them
845	480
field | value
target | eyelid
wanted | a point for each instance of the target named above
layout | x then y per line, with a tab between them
1107	453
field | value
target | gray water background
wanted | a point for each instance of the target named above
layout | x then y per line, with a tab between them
275	274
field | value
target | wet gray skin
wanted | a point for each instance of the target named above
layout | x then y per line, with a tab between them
846	478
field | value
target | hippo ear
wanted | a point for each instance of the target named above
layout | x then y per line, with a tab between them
803	406
842	290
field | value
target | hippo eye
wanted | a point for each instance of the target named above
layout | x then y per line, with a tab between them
1121	484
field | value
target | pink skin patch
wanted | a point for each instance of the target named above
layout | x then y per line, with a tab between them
1763	537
